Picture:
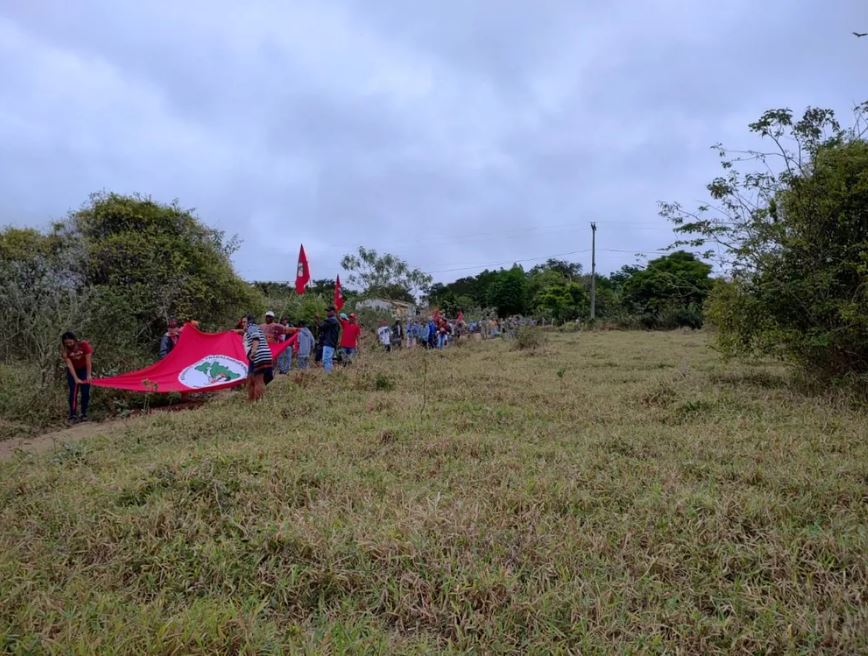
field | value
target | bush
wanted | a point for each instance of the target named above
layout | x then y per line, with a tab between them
796	242
528	339
383	383
113	273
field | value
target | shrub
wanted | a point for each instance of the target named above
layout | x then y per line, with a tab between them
796	243
113	272
529	339
383	383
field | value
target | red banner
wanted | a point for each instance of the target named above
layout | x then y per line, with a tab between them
199	362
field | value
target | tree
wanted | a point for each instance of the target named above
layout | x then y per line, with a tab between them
160	259
561	301
115	271
794	237
670	291
568	270
508	292
554	291
384	275
474	288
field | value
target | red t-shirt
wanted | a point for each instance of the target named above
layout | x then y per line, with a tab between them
77	354
350	334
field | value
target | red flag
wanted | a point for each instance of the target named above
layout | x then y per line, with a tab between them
339	297
302	276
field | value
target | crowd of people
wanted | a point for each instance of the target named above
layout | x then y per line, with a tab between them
336	341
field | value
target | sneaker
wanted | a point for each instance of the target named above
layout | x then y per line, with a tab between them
72	419
83	418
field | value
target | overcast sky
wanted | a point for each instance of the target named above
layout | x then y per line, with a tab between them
456	134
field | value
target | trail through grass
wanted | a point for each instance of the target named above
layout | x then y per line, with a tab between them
616	492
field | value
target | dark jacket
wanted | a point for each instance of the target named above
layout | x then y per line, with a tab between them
166	345
329	332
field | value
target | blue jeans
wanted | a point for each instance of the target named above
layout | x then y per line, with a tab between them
441	341
328	354
349	354
74	389
284	362
301	361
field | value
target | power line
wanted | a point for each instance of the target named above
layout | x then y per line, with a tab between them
512	260
545	257
512	232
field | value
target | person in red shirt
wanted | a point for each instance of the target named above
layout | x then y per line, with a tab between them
350	333
274	331
76	354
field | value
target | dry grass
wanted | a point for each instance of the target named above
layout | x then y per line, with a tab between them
613	493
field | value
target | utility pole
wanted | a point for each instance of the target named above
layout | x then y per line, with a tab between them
593	270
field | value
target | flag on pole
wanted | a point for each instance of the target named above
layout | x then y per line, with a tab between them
339	297
302	276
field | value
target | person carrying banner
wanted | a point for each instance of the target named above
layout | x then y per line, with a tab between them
261	371
77	355
274	334
170	339
284	362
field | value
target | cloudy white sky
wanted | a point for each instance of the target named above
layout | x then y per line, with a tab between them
456	134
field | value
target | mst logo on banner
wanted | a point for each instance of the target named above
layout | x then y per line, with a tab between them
212	370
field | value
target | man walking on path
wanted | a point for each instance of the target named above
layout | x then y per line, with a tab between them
412	333
329	332
384	333
305	345
350	332
398	334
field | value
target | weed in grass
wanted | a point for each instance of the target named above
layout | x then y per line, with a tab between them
528	338
383	382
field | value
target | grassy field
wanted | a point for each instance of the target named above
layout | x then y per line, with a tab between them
618	492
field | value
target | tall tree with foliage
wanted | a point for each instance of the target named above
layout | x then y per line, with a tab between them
508	292
159	260
670	291
384	275
115	271
794	235
555	293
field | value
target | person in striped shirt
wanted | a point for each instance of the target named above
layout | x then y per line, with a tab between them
261	371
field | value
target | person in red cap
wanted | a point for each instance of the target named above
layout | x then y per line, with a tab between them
350	333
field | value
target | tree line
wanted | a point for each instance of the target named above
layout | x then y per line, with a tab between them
666	293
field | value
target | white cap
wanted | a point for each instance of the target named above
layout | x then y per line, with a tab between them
270	314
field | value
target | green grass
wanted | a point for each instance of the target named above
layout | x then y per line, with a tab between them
618	492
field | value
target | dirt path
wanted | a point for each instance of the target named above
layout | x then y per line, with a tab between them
56	439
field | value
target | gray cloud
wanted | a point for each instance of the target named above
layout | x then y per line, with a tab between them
454	134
